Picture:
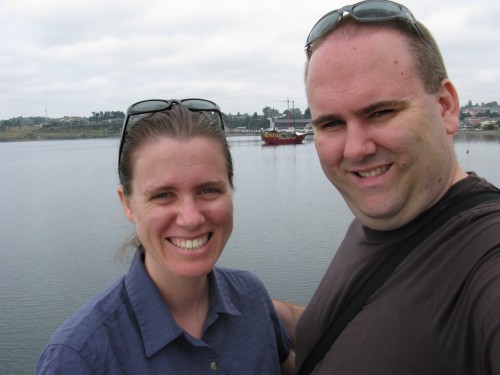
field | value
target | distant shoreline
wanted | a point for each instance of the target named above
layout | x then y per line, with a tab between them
495	133
73	137
478	132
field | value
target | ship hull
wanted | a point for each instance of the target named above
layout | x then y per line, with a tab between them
275	138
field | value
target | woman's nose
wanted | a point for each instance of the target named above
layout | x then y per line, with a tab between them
190	214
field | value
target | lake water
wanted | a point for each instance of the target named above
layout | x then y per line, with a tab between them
61	225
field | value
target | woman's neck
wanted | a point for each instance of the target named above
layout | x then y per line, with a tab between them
188	301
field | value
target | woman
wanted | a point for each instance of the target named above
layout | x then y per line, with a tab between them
173	312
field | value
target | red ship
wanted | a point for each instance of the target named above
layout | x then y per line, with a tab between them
273	136
282	137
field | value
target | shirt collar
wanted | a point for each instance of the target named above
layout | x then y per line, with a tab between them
157	326
220	297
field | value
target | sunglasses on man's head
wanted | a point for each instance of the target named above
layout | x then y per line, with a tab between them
139	109
364	11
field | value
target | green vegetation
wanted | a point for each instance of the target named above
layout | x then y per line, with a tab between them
99	125
256	121
108	124
58	132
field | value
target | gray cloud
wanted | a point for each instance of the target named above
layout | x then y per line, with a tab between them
76	57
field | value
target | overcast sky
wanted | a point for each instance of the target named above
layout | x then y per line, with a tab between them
75	57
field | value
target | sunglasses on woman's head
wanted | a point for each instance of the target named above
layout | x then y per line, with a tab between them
139	109
364	11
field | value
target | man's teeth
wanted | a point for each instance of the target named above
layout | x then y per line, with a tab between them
190	244
374	172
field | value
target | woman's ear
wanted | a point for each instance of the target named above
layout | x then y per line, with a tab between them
127	207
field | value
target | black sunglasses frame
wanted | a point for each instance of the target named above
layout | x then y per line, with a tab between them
157	105
373	14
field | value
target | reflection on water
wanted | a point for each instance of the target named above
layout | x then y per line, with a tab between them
477	136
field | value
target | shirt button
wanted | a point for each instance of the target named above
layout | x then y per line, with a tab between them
214	366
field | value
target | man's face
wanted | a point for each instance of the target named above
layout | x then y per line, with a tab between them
382	140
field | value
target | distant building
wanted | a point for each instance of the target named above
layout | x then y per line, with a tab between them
286	123
70	120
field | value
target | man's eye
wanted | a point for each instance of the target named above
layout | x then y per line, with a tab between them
384	112
209	190
331	124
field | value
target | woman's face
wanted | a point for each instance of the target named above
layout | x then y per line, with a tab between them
181	204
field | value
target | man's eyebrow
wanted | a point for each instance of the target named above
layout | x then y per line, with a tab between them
399	104
383	104
325	119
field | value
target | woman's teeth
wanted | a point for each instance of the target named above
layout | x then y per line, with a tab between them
190	244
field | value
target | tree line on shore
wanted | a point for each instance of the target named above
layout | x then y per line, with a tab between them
108	123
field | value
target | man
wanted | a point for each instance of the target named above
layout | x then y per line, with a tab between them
384	114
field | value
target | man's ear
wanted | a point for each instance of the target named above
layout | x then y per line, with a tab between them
450	106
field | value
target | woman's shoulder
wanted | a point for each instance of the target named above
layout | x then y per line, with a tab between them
91	317
77	345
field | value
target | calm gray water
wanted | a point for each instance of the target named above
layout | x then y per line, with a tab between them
61	224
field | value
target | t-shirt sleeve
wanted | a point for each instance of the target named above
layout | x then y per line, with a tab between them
483	294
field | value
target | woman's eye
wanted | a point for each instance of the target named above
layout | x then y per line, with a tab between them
164	195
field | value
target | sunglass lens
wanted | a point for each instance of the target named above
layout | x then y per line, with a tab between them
323	25
198	104
150	106
376	9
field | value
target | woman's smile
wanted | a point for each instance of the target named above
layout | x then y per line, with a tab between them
190	244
